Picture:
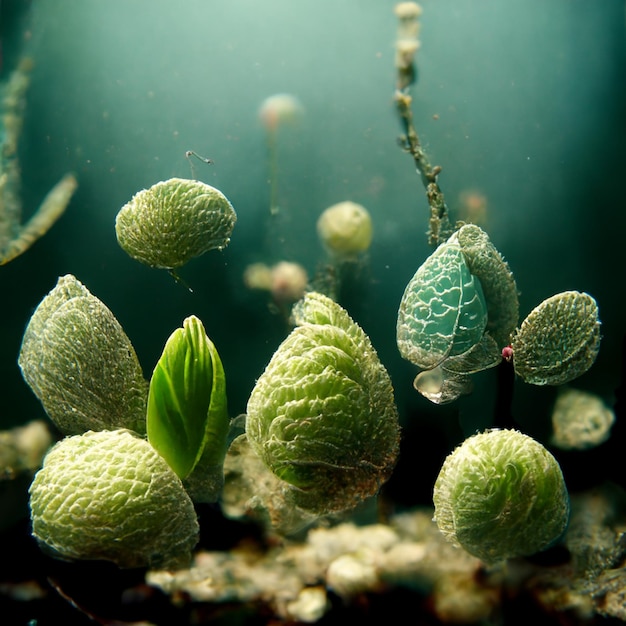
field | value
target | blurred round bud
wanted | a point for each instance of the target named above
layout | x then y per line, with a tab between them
408	10
405	51
279	108
258	276
473	206
345	229
580	420
288	281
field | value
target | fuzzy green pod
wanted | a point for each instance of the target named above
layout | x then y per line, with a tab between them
559	340
501	494
322	416
488	265
443	310
81	365
110	496
174	221
187	418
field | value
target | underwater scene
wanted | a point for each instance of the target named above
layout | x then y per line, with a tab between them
312	312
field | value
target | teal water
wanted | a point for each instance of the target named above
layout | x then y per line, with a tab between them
523	101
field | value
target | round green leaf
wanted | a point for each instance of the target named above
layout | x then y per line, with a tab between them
559	340
174	221
108	495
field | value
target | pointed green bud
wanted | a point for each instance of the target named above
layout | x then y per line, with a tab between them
187	419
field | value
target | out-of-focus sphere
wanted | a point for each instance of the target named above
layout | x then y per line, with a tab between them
279	108
289	281
580	420
345	229
258	276
408	10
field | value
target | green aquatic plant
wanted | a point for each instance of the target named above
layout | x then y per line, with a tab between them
501	494
322	416
107	493
110	496
460	310
80	364
443	311
459	313
559	340
456	314
187	418
15	237
174	221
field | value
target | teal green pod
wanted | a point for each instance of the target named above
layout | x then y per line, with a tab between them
322	416
110	496
174	221
501	494
187	417
456	314
559	340
81	365
443	310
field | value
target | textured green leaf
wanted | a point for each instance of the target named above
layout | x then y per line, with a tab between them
173	221
109	495
81	365
559	340
496	279
187	416
322	415
443	311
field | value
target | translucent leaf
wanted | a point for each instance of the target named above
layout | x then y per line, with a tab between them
187	417
443	311
81	365
441	386
559	340
451	379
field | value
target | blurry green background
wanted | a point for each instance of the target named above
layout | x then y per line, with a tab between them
521	101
